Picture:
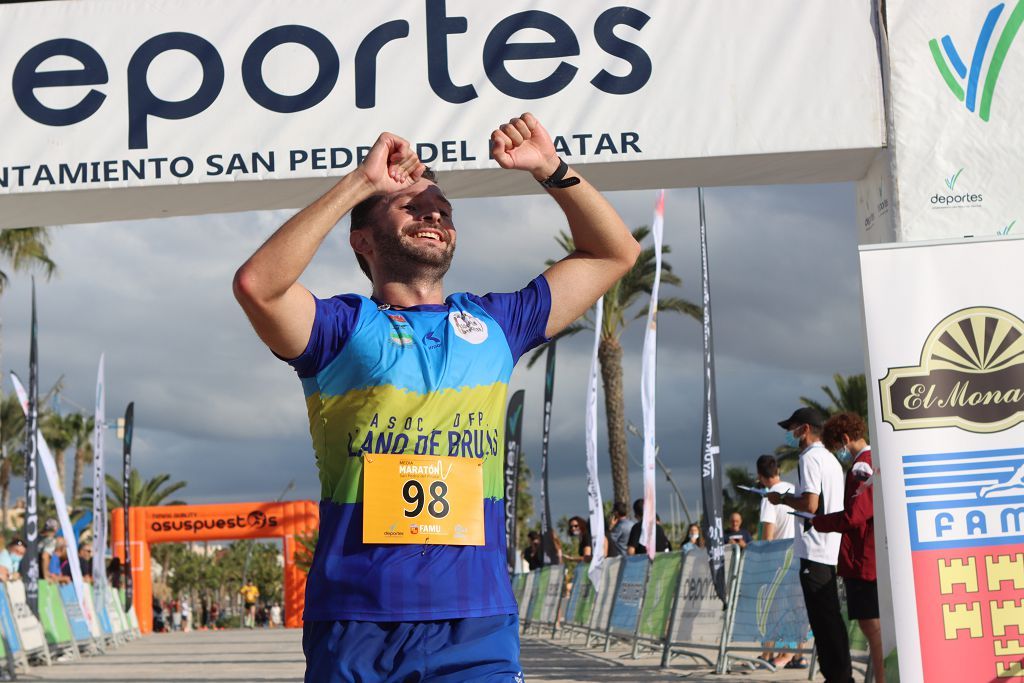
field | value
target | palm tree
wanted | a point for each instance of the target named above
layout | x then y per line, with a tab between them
851	395
81	428
57	432
626	301
24	249
147	493
12	443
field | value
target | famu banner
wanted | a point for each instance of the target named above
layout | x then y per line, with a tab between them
945	331
191	107
957	84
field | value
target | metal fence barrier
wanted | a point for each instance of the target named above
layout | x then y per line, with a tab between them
669	607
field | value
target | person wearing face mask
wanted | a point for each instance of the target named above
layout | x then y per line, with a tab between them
693	539
846	436
579	529
820	492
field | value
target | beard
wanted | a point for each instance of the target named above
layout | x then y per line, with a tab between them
404	259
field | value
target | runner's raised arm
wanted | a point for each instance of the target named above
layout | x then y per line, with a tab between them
280	309
604	247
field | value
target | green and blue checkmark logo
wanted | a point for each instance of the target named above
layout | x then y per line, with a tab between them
963	81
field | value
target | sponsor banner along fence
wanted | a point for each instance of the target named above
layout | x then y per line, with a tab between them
191	107
945	329
957	83
671	604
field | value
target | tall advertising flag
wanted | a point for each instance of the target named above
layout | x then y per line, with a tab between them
648	380
513	451
61	505
31	469
99	485
126	490
710	465
550	554
594	503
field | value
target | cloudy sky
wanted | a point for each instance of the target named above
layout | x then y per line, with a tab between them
215	409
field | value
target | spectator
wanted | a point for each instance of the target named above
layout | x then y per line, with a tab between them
49	561
735	533
214	614
55	570
84	561
618	531
846	436
159	625
694	539
10	558
275	615
175	615
776	523
820	492
634	547
114	570
776	520
186	615
532	554
580	528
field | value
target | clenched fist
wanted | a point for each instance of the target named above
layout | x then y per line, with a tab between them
523	144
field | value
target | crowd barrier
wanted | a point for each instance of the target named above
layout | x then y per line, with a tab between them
61	630
669	607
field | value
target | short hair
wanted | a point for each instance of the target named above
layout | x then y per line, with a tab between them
533	535
620	509
850	424
767	466
638	507
362	213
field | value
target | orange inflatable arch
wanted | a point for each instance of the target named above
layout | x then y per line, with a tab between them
225	522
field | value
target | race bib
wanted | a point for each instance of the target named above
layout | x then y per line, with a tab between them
423	499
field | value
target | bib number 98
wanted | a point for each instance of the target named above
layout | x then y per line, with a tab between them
438	507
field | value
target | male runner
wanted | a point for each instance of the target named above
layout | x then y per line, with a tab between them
410	372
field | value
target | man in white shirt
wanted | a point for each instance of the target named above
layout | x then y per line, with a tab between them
820	492
776	522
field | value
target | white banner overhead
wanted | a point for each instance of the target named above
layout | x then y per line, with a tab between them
115	109
957	74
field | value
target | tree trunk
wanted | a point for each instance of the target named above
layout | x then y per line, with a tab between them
5	488
60	471
609	354
76	485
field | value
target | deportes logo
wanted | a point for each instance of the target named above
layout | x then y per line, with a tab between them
965	81
952	199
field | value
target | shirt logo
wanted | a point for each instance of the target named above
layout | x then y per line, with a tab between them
431	341
468	327
401	338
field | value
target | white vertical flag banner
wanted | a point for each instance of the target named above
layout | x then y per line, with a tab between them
99	485
594	503
648	377
945	333
57	489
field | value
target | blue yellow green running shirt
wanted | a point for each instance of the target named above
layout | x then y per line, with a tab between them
427	380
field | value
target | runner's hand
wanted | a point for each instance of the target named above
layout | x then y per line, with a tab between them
524	145
391	165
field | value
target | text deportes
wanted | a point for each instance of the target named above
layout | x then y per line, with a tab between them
497	51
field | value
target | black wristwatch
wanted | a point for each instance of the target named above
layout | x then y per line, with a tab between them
557	180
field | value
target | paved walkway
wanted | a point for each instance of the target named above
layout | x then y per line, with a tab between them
276	655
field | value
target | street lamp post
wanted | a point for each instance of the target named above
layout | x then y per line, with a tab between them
668	473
